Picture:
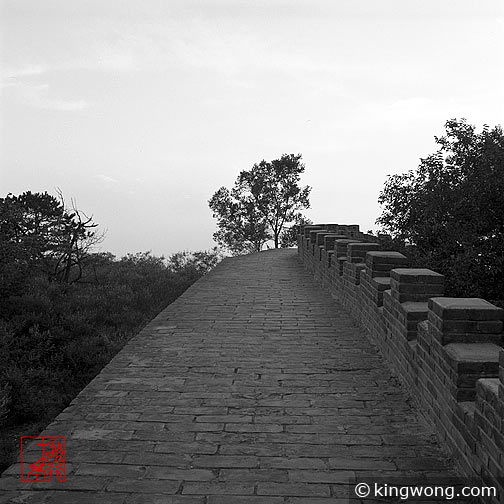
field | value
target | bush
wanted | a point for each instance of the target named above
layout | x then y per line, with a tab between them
55	337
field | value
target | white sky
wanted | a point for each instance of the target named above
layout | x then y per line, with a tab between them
142	109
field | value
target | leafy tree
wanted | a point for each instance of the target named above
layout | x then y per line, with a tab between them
261	205
242	229
450	210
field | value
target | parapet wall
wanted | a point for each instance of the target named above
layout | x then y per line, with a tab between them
447	351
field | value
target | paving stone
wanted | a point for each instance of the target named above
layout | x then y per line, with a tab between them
321	476
97	456
227	488
106	470
361	463
184	448
77	497
163	499
295	489
293	463
243	475
224	418
258	449
173	473
158	459
225	461
143	486
262	427
253	387
236	499
318	500
75	482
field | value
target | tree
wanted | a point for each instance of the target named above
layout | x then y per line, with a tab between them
450	210
242	229
78	238
37	233
262	204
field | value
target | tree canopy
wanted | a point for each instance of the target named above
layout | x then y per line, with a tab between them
263	205
450	210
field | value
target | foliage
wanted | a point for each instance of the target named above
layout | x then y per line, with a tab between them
195	263
289	236
261	205
242	229
56	335
450	210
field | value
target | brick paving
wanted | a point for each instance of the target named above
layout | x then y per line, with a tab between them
253	387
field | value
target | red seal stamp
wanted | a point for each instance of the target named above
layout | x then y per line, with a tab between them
50	459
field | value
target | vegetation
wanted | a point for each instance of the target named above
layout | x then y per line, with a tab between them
65	310
264	204
449	212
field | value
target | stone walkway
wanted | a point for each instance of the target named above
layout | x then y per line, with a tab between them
252	388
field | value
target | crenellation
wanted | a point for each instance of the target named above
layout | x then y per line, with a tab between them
467	363
351	272
469	320
330	239
356	251
330	254
414	284
341	246
319	237
307	229
313	239
374	287
333	228
447	351
380	263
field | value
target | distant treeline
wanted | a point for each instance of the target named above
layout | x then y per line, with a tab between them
65	310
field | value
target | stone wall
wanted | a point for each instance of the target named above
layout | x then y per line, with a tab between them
447	351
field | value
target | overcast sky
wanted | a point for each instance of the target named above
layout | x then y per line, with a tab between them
141	109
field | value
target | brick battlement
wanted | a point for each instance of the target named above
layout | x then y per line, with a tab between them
447	351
